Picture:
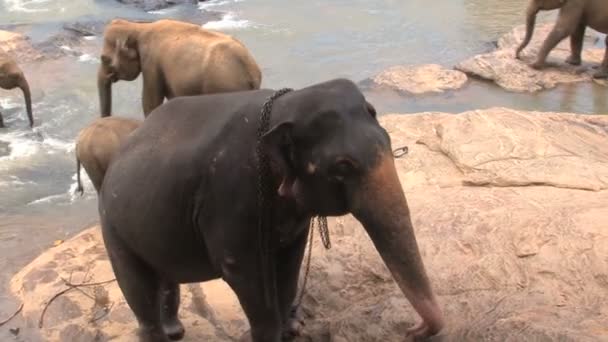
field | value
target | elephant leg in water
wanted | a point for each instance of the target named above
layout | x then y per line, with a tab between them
603	71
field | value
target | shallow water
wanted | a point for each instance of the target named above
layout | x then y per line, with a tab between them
296	45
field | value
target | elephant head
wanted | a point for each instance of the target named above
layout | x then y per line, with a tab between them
533	8
332	157
119	60
12	77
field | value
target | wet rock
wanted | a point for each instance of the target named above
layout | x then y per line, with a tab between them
18	46
501	66
152	5
509	209
86	28
428	78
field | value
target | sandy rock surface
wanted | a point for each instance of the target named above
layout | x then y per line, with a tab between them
420	79
510	210
501	66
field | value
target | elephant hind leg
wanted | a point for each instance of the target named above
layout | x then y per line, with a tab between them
1	121
140	286
170	306
603	72
576	44
567	22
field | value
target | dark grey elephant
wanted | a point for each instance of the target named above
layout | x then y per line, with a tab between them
12	77
574	17
180	202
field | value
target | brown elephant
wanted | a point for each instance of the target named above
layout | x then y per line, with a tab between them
574	17
97	143
12	77
175	59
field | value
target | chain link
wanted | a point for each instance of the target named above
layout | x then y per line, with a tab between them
265	196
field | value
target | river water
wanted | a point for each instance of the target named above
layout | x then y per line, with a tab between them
296	43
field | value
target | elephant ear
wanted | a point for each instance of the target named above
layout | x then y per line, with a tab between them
127	47
279	147
370	109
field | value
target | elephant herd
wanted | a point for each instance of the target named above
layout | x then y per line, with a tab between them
223	179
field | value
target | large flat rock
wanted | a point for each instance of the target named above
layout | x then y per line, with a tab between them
510	214
501	66
420	79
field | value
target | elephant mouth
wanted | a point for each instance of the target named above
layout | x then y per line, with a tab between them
112	77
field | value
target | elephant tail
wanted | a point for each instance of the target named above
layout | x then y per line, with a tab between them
79	187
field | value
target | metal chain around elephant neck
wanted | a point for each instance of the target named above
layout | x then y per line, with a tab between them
265	210
265	196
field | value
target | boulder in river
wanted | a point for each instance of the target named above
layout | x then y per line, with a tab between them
420	79
509	209
501	66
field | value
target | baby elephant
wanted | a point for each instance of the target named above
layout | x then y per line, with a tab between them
574	17
12	77
96	145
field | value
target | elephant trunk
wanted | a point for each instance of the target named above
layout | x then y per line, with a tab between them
381	207
531	13
27	95
104	87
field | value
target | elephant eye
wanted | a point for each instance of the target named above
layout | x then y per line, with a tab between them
105	60
342	169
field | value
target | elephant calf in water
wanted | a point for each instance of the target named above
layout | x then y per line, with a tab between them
574	17
97	143
180	202
12	77
175	59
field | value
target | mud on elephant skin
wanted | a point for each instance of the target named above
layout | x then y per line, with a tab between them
169	215
199	62
97	143
12	77
574	17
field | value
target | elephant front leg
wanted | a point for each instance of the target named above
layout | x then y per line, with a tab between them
576	44
243	274
1	121
288	271
169	309
153	94
603	72
567	22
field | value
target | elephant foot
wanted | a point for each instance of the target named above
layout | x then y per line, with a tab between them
152	335
537	65
601	74
574	60
294	325
174	329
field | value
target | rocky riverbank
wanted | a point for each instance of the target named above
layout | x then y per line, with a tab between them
509	209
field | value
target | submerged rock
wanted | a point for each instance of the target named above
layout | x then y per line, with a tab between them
428	78
501	66
509	209
153	5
